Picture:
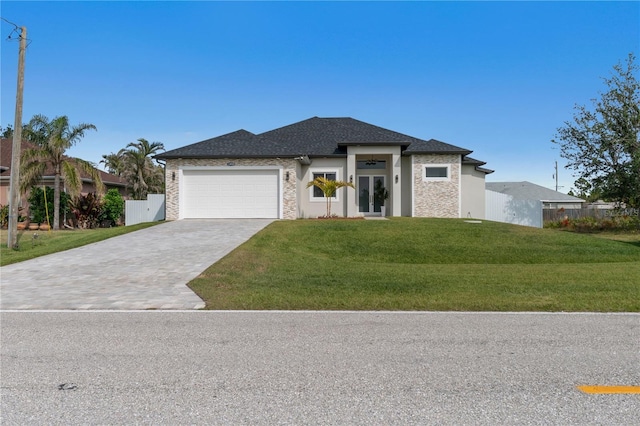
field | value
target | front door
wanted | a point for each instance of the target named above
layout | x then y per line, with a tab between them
367	203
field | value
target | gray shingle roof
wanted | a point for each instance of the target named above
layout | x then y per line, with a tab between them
315	137
530	191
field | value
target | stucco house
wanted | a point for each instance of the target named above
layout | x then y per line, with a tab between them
247	175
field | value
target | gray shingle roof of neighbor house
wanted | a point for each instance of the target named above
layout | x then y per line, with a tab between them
314	137
530	191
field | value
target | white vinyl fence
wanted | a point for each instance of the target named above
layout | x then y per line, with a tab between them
149	210
505	208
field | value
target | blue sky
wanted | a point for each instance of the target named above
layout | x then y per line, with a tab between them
497	78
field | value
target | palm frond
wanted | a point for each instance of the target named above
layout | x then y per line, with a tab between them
31	174
72	180
90	169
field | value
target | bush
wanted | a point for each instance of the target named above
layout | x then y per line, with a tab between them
591	224
87	210
4	215
112	207
38	209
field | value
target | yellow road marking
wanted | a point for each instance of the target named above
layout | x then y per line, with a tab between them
609	389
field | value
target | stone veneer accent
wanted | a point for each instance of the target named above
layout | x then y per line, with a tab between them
436	198
289	207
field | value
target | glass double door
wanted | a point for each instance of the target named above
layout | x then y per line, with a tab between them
367	203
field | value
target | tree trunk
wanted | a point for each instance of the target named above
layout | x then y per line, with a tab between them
56	201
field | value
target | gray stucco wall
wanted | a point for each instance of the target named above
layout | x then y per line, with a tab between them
473	192
311	208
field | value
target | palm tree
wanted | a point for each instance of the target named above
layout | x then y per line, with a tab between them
142	173
115	163
328	188
52	139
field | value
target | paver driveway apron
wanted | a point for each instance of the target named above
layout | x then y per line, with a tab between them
146	269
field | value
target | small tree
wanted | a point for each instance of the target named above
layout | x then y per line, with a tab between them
603	145
41	204
328	188
52	139
112	206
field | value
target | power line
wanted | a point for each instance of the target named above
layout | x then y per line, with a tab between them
16	30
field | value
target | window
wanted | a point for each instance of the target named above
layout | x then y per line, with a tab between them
435	172
317	192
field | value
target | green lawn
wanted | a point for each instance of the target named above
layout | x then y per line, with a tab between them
424	264
47	242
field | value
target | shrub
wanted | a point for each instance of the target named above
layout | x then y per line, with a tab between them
38	209
87	210
4	215
591	224
112	207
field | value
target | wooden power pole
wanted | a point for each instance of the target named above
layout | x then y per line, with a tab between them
14	183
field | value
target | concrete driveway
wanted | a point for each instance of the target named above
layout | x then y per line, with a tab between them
146	269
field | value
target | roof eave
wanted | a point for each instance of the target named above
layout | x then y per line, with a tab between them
485	171
463	153
374	143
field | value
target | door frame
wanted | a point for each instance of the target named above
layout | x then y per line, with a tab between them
371	178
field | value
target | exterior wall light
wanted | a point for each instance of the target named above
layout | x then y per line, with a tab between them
173	176
396	178
286	176
351	179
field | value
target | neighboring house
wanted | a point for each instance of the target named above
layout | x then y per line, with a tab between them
6	148
524	203
246	175
530	191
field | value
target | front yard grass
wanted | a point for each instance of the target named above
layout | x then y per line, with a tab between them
425	264
47	242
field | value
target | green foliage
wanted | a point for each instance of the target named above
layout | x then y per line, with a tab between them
602	145
112	206
4	215
6	132
39	209
136	165
612	223
87	210
328	188
52	139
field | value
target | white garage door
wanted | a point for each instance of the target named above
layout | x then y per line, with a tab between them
230	194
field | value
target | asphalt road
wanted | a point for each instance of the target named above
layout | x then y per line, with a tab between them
198	367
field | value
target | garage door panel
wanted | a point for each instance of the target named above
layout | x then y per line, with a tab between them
230	194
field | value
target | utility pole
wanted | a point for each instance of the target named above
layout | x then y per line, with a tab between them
556	176
14	183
